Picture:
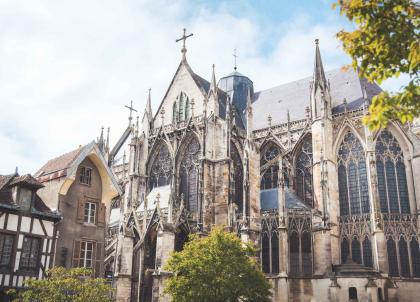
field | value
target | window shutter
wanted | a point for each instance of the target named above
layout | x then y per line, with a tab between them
80	211
101	215
98	259
76	253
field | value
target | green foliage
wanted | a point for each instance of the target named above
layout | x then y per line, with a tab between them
217	268
385	44
74	285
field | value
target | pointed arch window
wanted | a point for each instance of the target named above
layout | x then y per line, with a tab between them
189	174
300	246
358	250
304	172
238	177
415	256
392	182
392	257
270	257
352	177
161	168
181	108
269	166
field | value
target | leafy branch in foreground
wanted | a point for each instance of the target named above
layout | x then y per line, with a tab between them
385	44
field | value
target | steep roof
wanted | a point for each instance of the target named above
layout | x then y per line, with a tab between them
26	180
295	97
58	165
7	182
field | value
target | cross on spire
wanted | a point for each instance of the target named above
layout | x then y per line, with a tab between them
183	39
131	108
235	58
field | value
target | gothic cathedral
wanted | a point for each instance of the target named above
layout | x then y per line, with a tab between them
332	205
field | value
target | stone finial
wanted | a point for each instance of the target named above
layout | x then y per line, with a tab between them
345	105
308	112
269	119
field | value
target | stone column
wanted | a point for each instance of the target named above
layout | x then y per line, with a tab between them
372	291
123	269
378	238
325	245
165	244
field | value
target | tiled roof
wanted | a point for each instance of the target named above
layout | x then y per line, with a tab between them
5	179
295	97
7	182
56	167
27	180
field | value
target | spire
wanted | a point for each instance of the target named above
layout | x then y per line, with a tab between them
101	143
319	74
320	90
213	85
249	114
149	106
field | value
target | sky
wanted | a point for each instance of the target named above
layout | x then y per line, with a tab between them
67	68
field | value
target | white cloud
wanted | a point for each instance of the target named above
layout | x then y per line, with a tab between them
68	67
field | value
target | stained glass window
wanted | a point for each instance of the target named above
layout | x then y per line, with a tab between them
181	108
367	253
392	182
352	177
355	251
300	246
275	257
415	256
392	257
269	166
294	253
304	172
265	252
306	254
345	252
404	263
161	168
189	174
238	177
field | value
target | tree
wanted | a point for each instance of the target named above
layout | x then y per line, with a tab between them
74	285
385	44
217	268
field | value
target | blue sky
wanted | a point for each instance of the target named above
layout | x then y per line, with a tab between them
69	67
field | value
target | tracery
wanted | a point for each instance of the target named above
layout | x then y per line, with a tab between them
189	168
161	169
352	177
304	172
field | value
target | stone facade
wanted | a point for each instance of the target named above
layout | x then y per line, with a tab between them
332	206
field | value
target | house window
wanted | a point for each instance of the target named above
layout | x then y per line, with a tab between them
30	253
85	175
90	212
86	254
6	246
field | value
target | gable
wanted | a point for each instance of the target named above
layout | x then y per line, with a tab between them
187	82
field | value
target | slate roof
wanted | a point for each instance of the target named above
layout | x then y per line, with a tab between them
295	97
58	165
269	199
